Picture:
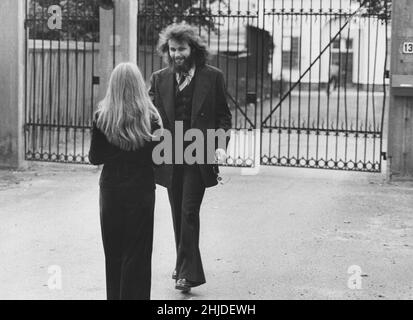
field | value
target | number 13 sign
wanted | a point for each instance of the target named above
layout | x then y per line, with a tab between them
408	47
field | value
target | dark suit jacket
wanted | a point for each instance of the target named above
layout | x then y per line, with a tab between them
209	111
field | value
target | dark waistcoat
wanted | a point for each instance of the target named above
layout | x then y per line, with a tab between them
183	104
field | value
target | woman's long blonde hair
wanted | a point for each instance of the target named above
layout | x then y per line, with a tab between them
126	114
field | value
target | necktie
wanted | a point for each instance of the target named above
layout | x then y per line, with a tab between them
182	83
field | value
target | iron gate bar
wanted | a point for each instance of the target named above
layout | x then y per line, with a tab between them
256	60
237	106
237	71
368	88
58	98
310	74
290	79
34	91
50	95
247	65
42	108
338	87
374	87
262	77
358	86
26	50
319	87
271	88
383	154
329	76
77	81
281	83
299	86
311	65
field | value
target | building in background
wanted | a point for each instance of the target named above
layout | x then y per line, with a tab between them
300	31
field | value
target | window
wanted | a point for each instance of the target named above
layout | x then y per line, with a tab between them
349	44
342	45
336	44
291	52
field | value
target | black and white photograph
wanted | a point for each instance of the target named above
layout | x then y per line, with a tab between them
224	150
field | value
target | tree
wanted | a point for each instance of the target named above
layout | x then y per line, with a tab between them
154	15
80	20
381	8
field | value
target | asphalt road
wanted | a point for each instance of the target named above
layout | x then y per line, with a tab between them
282	234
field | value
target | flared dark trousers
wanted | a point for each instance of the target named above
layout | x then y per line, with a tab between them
127	218
185	197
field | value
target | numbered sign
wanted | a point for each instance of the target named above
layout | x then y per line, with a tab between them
408	47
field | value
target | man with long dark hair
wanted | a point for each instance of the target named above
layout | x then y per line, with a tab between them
192	93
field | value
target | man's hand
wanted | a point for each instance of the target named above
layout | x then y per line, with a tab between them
220	156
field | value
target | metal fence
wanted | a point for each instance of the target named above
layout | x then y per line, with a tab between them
306	79
237	46
60	81
331	59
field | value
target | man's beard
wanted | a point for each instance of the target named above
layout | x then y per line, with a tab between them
184	67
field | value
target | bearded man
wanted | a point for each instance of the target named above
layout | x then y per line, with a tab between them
192	93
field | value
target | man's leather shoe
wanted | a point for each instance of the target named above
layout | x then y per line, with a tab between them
183	285
174	275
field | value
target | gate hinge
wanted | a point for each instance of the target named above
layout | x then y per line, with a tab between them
384	155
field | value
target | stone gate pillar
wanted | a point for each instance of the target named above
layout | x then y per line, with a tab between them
12	48
118	38
400	141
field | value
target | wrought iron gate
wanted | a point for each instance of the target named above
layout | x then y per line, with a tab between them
231	30
61	66
330	59
306	79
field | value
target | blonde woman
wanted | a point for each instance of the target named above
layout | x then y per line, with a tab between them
121	141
